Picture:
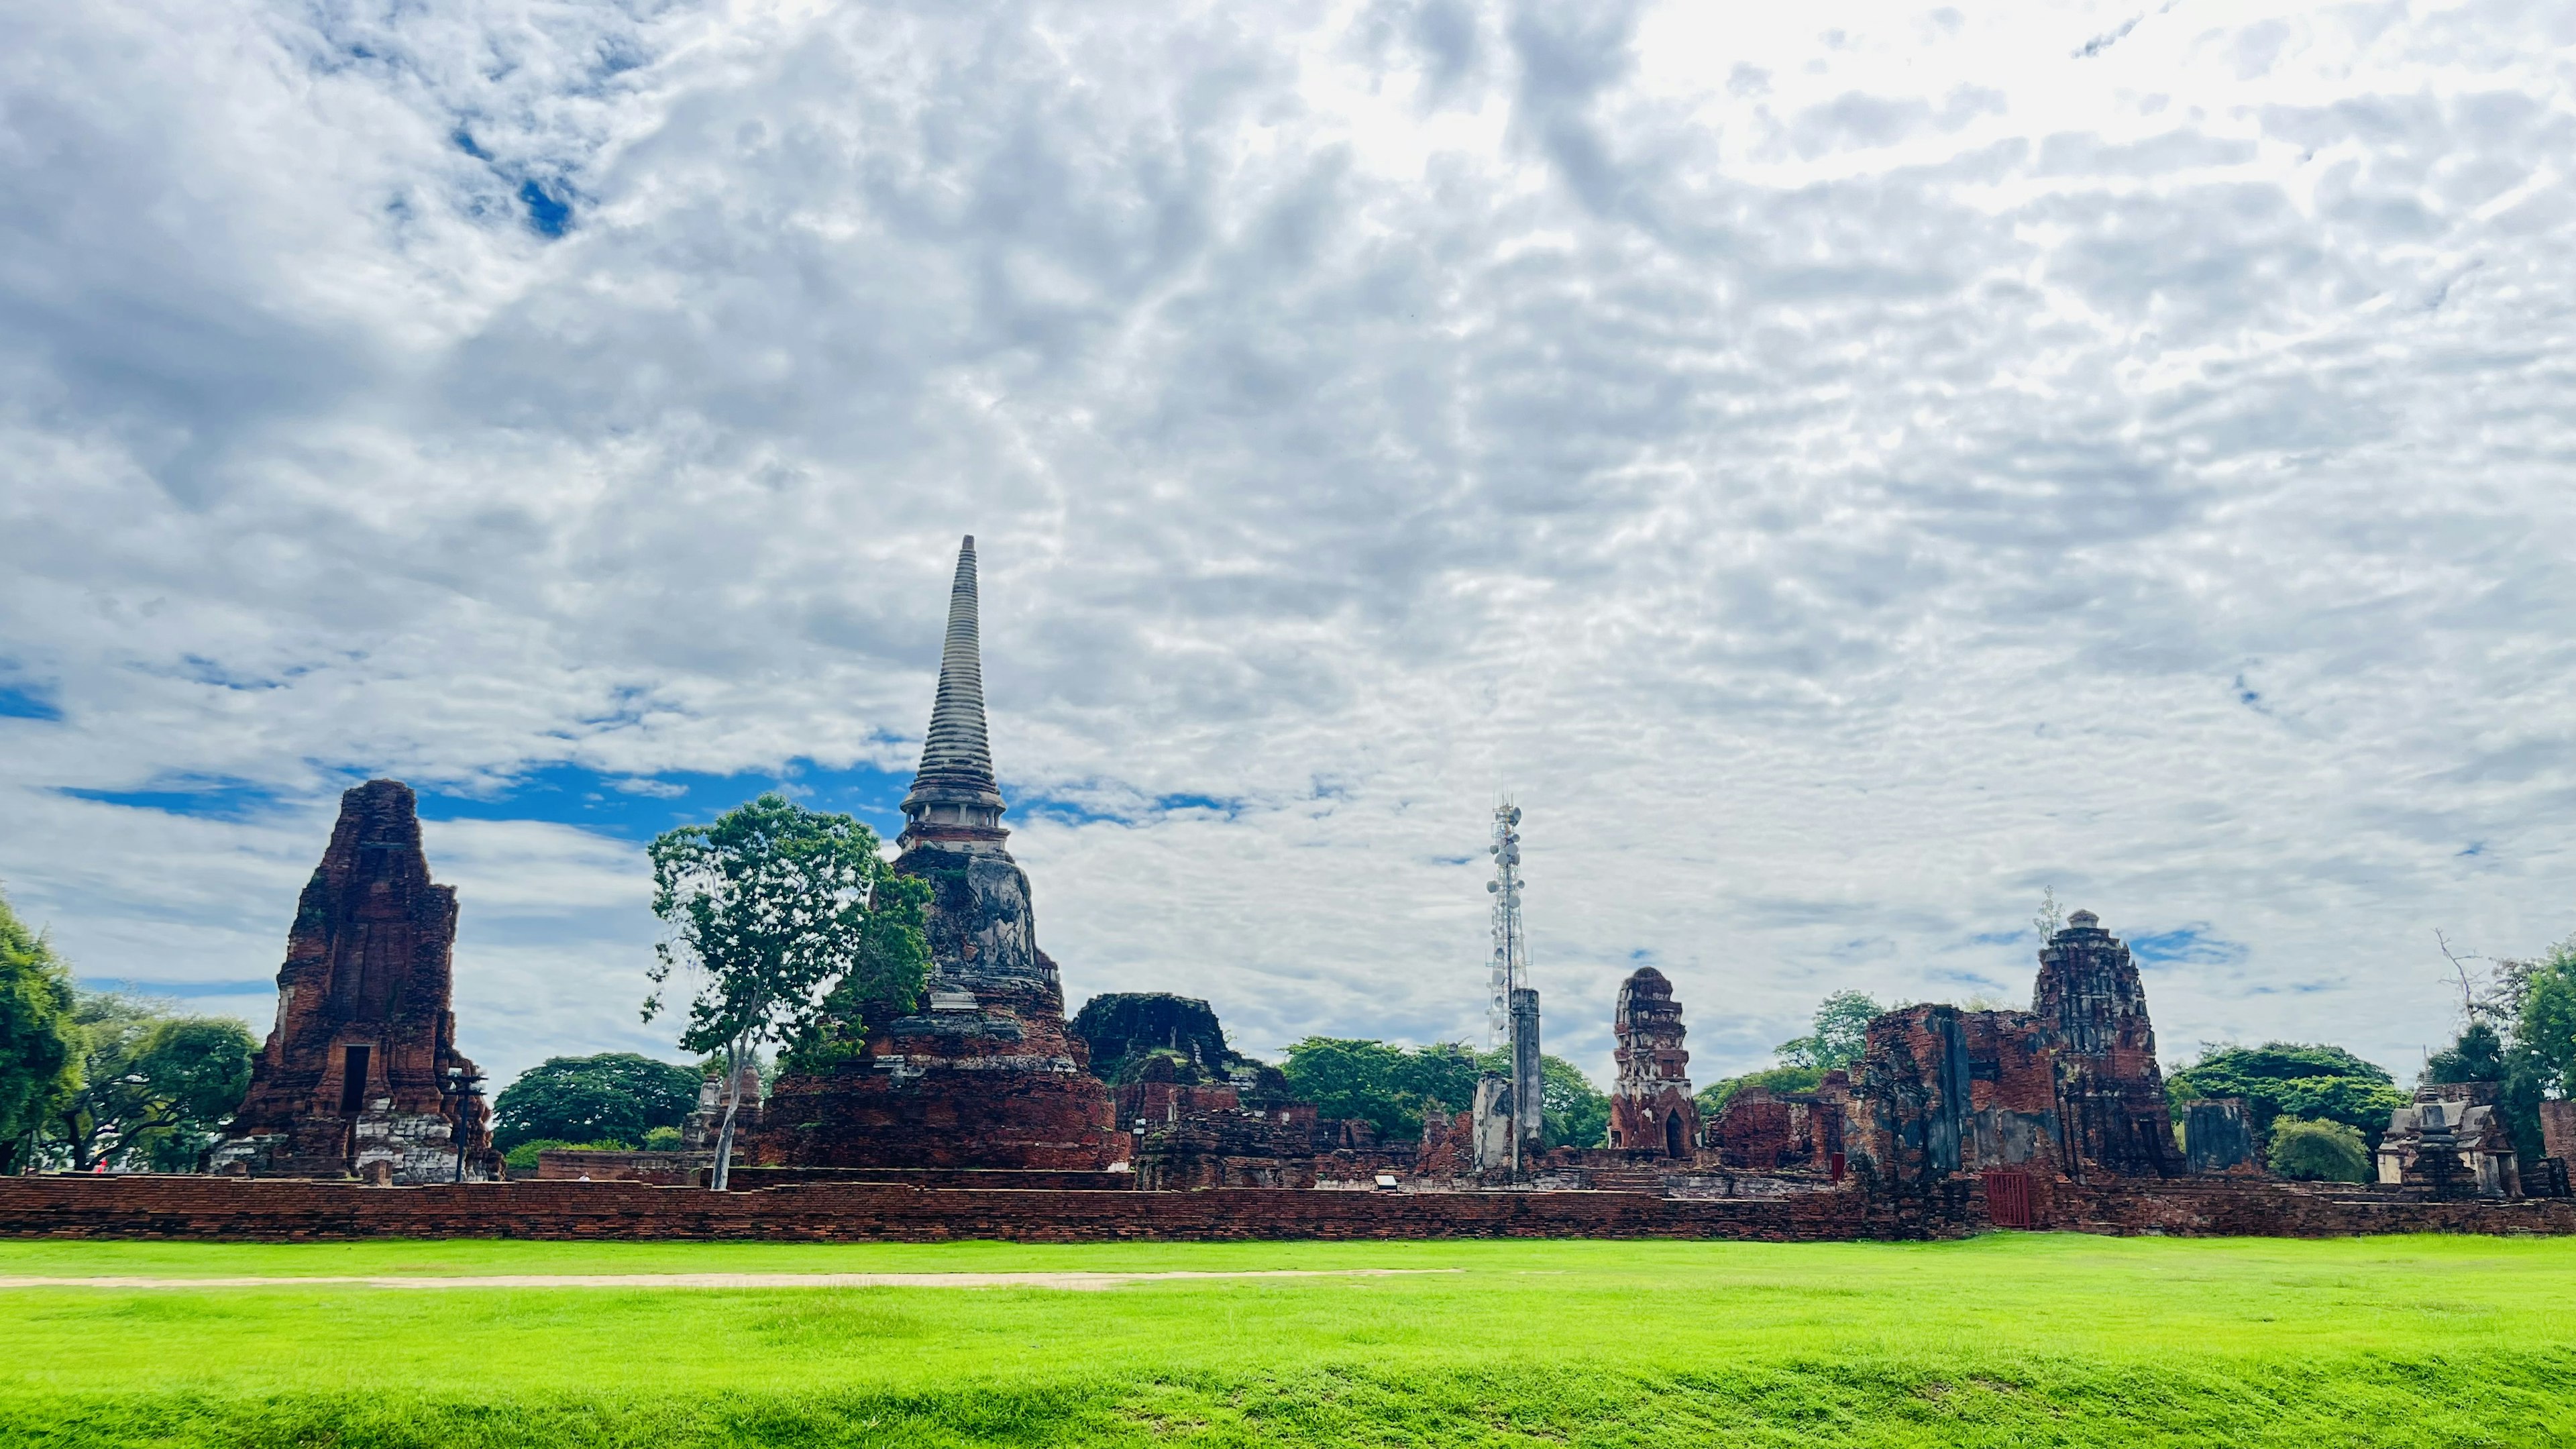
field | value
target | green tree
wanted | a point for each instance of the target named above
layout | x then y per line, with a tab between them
794	930
2544	1008
39	1042
2532	1058
1841	1035
1712	1099
2478	1056
1392	1088
1576	1113
614	1095
1350	1078
155	1086
2291	1079
2308	1150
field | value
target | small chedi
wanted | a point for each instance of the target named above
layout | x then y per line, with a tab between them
358	1076
1650	1104
982	1073
2452	1140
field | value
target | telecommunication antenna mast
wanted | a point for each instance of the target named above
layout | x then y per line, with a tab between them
1515	1001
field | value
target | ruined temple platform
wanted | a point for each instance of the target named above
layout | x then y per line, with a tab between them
288	1210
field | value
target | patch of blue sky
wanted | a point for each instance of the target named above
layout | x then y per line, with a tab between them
25	701
212	796
2191	945
639	807
1109	808
150	986
548	215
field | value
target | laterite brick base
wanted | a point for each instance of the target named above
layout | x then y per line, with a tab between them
274	1210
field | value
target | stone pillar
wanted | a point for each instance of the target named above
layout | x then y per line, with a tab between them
1529	1091
1492	1122
2218	1136
2558	1131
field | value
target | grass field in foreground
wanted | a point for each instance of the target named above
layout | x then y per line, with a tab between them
2009	1339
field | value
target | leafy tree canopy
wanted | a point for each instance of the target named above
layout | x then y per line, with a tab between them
794	930
39	1042
1713	1098
2544	1033
2478	1056
1392	1087
155	1086
2307	1150
2522	1039
614	1096
2293	1079
1841	1034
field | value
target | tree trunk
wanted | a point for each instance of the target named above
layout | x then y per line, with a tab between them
733	1104
79	1142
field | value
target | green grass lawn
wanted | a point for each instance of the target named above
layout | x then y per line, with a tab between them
2010	1339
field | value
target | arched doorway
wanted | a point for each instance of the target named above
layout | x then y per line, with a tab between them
1672	1134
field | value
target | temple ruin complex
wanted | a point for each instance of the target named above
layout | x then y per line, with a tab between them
982	1073
1952	1119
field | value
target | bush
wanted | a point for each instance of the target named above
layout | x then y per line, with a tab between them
1712	1099
2306	1150
2293	1080
522	1159
662	1139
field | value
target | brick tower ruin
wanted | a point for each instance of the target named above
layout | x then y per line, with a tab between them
982	1073
1650	1106
351	1080
2092	1009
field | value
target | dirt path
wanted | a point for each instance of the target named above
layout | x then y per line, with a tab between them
1078	1282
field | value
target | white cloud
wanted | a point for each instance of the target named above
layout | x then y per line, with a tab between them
1844	467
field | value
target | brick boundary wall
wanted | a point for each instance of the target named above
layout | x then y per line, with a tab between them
2260	1208
274	1210
287	1210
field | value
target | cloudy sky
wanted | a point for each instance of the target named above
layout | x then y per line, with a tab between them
1843	468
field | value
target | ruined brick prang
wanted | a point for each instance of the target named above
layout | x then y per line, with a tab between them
1650	1104
1944	1092
983	1072
2112	1113
349	1081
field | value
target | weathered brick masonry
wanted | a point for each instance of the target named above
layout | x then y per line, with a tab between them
270	1210
276	1210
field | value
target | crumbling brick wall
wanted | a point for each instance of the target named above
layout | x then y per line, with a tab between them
1943	1091
1762	1130
206	1208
